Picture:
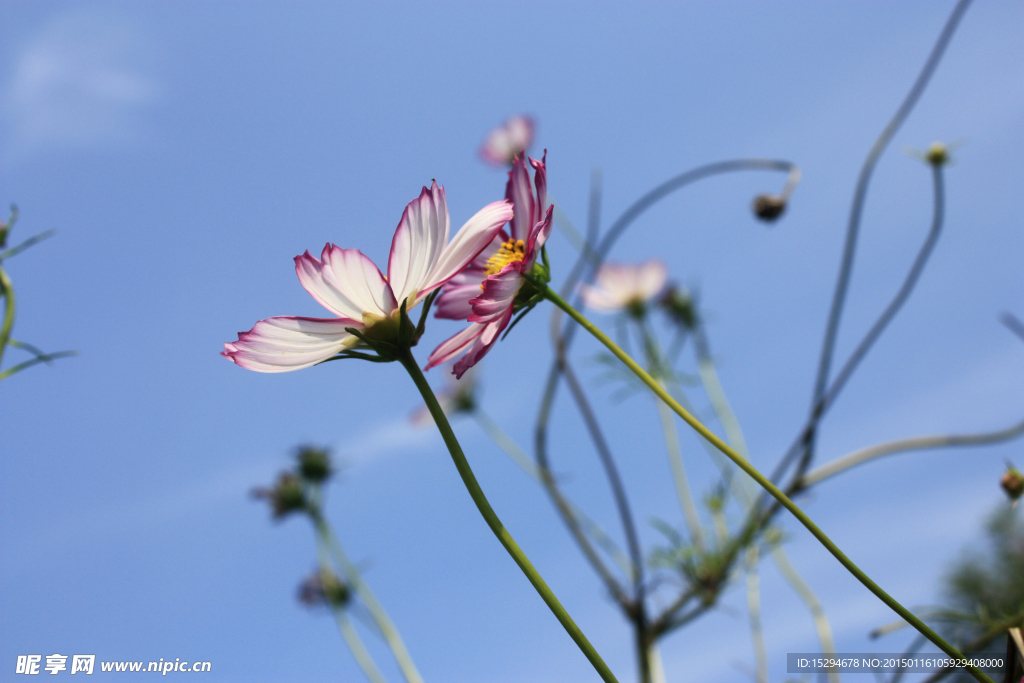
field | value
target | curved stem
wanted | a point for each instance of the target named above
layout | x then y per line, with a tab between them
612	472
504	537
519	457
656	363
901	296
853	225
726	416
562	504
355	643
821	624
348	632
754	610
7	291
762	481
910	444
383	621
805	440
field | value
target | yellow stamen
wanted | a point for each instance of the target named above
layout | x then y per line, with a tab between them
512	251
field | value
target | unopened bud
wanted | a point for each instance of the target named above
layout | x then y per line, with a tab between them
286	497
679	304
324	589
768	207
937	154
314	464
1012	482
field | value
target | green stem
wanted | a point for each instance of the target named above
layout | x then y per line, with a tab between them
733	432
821	624
355	643
8	293
656	360
348	632
477	494
384	623
764	483
754	610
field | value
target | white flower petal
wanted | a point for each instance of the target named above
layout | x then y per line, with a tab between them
346	282
356	277
419	242
476	235
286	343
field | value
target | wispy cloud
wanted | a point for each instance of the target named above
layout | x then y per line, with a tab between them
78	84
196	498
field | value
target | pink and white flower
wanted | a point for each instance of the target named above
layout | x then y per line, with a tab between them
349	285
485	292
619	286
507	140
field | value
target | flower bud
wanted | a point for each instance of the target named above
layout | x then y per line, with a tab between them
937	154
324	589
679	304
1012	482
768	207
286	497
314	464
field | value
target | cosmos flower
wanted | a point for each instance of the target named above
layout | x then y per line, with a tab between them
349	285
485	293
620	286
507	140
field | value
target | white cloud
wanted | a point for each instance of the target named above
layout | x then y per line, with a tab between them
78	84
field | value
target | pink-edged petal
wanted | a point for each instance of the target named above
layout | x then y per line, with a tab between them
538	236
650	279
617	285
453	302
288	343
499	293
419	242
540	180
490	334
345	282
508	139
519	192
471	239
601	299
454	345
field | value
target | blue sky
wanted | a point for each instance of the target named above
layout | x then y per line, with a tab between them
185	152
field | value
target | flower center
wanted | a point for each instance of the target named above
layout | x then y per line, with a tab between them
512	251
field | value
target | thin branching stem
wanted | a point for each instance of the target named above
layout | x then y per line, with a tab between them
909	444
829	396
562	504
380	616
507	444
614	478
7	291
853	224
745	491
763	481
348	631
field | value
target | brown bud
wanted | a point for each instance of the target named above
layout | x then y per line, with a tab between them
768	207
1012	482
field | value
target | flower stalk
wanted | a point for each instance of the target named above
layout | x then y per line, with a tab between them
491	517
327	540
773	490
